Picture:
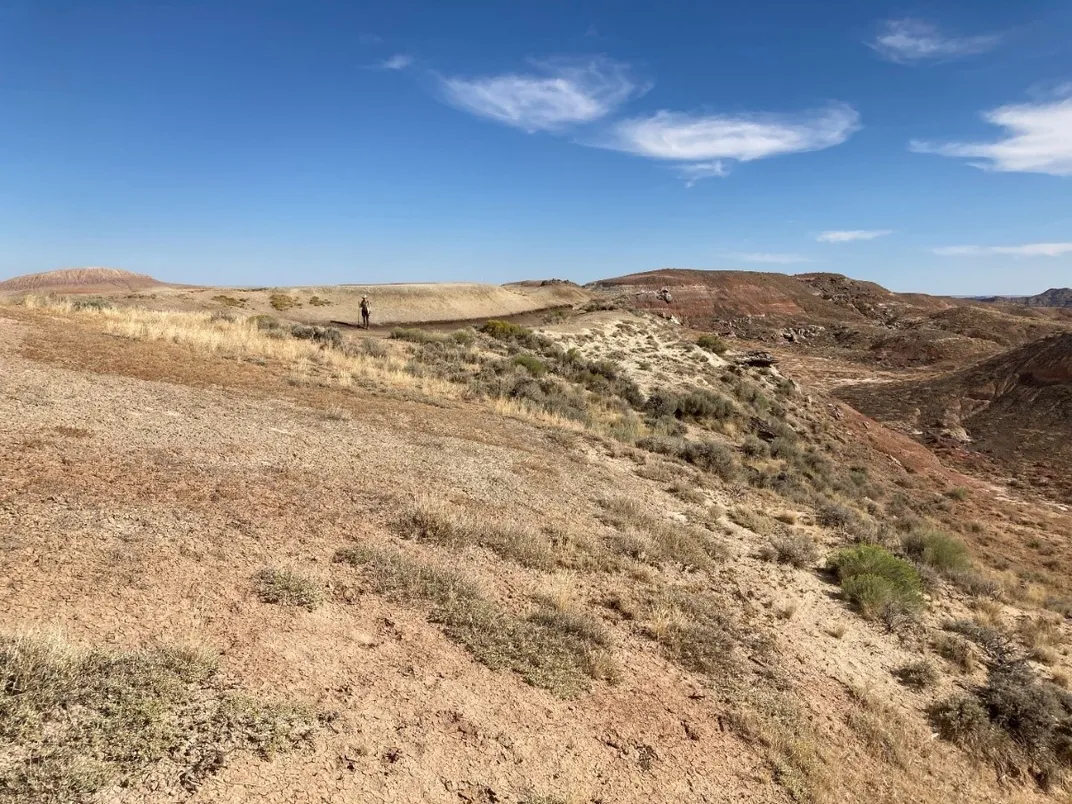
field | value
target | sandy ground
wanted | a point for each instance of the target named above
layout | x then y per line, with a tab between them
135	507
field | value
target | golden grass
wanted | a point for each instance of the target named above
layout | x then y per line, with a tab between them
386	364
242	338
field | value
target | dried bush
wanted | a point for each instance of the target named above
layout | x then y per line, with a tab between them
918	675
281	301
794	548
556	651
74	723
956	651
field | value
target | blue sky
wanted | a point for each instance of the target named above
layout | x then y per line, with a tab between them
926	146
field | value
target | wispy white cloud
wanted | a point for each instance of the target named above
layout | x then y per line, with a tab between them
692	173
1038	140
849	235
369	39
769	257
399	61
1026	250
742	137
911	41
563	92
704	143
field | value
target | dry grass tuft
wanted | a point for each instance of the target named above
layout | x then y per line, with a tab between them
559	651
287	588
958	652
75	722
882	729
428	520
790	743
795	548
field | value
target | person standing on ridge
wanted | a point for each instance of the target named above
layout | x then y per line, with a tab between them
366	308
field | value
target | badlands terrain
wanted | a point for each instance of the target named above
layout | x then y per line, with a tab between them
673	537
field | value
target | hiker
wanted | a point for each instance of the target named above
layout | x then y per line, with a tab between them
365	308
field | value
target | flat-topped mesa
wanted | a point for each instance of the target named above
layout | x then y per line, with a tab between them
79	280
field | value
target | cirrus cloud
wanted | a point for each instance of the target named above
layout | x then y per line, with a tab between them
741	137
563	92
399	61
911	41
1026	250
1038	140
849	235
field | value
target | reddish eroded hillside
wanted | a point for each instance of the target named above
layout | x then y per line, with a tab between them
1015	407
832	315
80	280
701	297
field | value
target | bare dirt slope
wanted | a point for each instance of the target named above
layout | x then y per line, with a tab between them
147	477
1015	408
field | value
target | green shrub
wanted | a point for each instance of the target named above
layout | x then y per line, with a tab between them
534	366
946	554
712	343
877	582
415	335
506	331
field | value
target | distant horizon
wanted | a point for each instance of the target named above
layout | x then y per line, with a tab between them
245	286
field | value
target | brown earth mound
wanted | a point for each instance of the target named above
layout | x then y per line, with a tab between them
1015	407
79	280
699	297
